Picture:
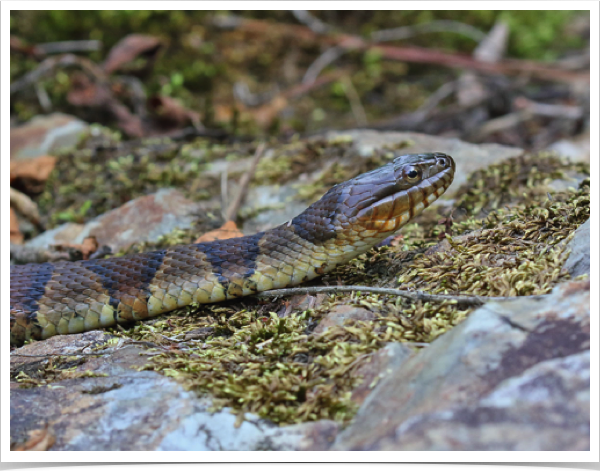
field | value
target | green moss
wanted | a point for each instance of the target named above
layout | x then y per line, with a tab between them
248	358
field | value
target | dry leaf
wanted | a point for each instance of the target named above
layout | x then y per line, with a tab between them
15	234
129	48
25	205
32	173
172	110
229	230
84	92
87	247
39	440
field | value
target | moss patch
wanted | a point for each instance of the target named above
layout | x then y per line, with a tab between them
248	358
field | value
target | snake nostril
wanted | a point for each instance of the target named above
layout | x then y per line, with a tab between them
443	162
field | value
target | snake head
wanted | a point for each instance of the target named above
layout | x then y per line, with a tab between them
379	202
370	207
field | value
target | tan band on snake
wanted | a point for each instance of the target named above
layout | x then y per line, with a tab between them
72	297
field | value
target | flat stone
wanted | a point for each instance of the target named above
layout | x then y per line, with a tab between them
340	314
279	203
499	343
578	262
144	219
545	408
44	135
382	363
64	234
576	149
468	157
121	408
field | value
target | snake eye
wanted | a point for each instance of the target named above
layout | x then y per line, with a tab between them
412	174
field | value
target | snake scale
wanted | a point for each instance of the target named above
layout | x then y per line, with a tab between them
72	297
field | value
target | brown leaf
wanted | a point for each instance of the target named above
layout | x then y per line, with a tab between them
15	234
172	111
25	205
39	440
31	174
129	48
229	230
84	92
87	247
17	45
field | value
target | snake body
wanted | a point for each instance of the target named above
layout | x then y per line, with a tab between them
72	297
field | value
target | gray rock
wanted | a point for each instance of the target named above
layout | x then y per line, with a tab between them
577	149
143	219
44	135
578	262
137	410
64	234
384	362
340	314
545	408
468	157
277	204
498	346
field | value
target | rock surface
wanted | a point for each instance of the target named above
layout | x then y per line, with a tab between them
484	376
44	135
120	408
340	314
143	219
578	262
576	149
64	234
468	157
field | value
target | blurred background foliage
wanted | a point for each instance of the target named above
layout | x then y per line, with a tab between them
200	63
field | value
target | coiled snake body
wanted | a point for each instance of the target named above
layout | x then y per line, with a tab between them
72	297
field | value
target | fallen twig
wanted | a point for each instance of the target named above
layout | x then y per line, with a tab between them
60	47
539	70
409	121
441	26
50	64
470	301
314	23
234	207
355	104
329	56
26	206
549	110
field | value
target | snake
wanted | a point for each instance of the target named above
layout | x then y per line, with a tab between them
49	299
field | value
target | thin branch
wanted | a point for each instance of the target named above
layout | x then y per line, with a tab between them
470	301
355	104
441	26
314	23
234	207
549	110
540	70
224	194
328	57
26	206
86	45
43	97
50	64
